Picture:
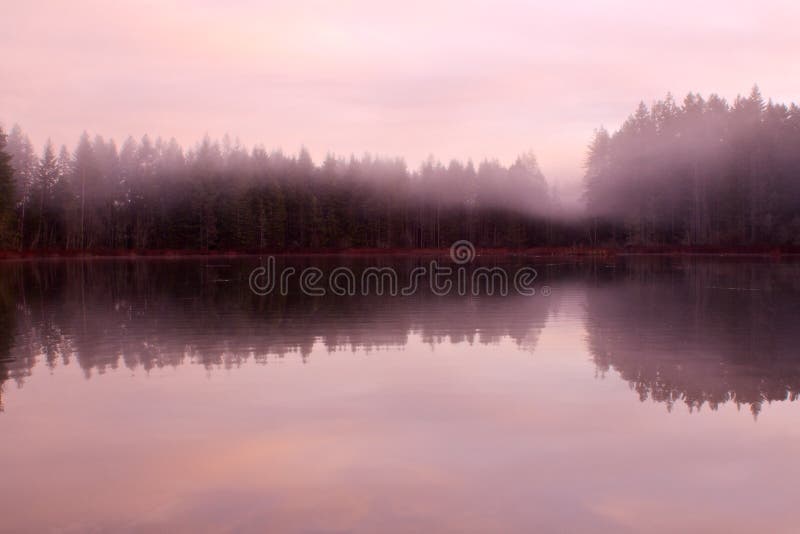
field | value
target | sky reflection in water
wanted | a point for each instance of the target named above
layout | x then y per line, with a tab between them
209	408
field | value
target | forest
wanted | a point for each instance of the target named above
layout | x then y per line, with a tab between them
700	173
219	196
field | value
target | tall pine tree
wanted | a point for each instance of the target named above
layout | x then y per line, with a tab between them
6	195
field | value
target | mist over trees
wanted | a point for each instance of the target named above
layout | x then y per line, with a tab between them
218	196
700	173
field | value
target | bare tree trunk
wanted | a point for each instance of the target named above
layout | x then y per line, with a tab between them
41	217
83	210
22	226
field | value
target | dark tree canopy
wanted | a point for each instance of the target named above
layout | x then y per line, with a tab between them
700	173
220	196
6	194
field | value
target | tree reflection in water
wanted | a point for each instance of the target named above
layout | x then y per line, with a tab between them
104	314
696	331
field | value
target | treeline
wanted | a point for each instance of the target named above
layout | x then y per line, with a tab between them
700	173
219	196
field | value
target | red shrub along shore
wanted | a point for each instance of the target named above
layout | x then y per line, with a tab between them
577	251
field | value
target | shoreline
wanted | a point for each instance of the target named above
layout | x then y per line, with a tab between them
562	252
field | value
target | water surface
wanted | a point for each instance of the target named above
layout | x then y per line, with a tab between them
163	395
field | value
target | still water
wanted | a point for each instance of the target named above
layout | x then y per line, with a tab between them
644	394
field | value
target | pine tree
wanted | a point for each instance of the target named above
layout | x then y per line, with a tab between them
46	178
84	183
6	195
23	160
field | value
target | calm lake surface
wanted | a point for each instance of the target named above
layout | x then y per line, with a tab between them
642	394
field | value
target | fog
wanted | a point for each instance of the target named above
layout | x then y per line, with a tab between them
460	80
152	193
698	172
701	172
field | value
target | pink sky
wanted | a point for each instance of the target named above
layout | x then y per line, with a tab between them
456	79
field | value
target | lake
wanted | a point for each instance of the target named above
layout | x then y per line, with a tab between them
631	394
